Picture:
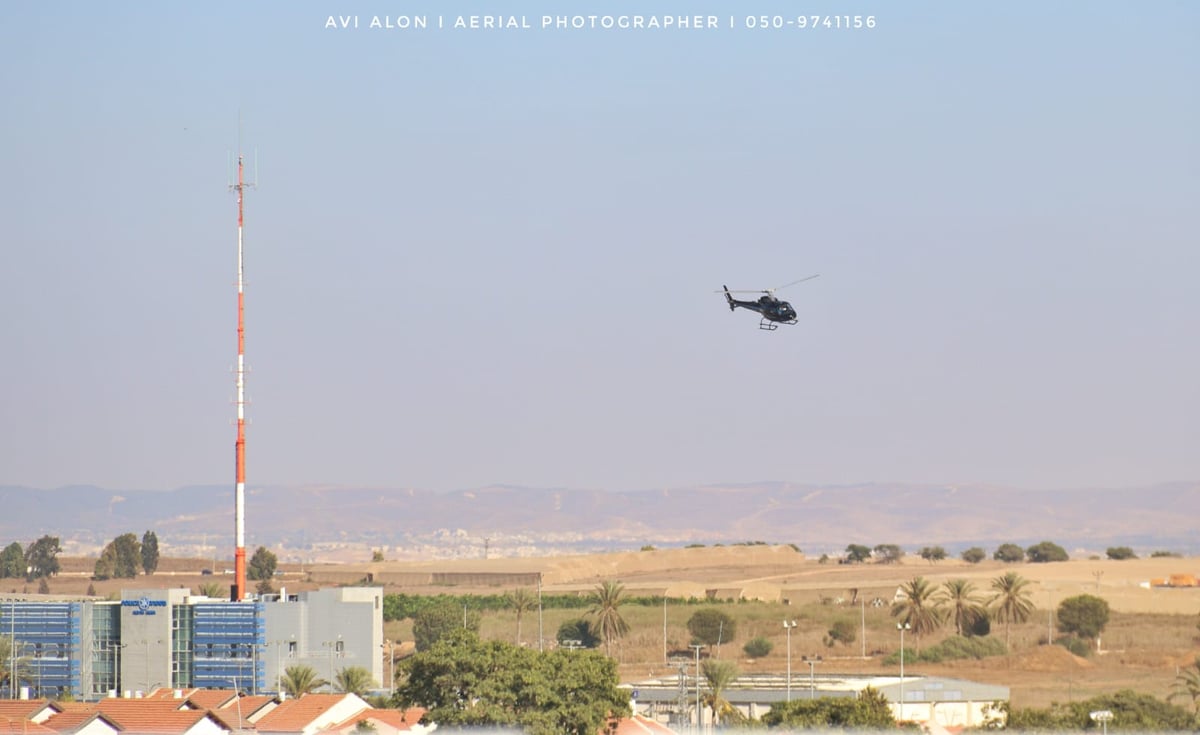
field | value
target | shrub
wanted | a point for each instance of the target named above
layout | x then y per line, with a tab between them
974	555
1046	551
758	647
1074	645
843	632
1010	553
952	649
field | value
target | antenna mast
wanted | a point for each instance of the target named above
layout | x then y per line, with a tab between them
238	592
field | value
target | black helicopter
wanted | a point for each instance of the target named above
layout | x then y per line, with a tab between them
774	311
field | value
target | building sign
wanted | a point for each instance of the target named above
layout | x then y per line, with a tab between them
144	605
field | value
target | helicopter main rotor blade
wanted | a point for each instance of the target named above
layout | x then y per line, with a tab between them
793	283
744	290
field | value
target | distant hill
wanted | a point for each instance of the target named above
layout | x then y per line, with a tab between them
531	521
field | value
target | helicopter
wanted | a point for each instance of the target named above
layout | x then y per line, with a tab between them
774	311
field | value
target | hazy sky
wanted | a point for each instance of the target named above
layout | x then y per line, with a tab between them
490	256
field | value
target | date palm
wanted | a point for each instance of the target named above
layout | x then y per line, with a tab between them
719	675
1011	601
300	680
606	602
965	608
354	680
1187	684
12	666
919	608
520	601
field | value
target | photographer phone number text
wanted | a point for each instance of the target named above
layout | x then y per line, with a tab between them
810	22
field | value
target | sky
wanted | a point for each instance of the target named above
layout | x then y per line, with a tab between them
493	256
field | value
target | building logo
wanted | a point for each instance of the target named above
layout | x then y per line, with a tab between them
144	605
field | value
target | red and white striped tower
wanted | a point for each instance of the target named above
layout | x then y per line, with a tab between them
238	592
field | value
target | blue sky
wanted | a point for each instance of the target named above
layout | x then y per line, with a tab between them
482	257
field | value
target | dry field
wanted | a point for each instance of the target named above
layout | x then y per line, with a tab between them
1152	632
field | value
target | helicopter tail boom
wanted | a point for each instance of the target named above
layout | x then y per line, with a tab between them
729	298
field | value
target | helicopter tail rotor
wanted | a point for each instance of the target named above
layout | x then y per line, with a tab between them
729	298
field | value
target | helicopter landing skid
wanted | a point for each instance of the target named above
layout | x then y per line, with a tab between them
771	326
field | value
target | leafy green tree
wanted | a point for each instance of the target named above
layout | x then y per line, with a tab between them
1187	684
264	587
870	710
719	675
1132	712
1083	615
120	559
262	564
932	554
965	607
520	601
41	558
300	680
1046	551
149	552
436	621
464	682
974	555
377	555
1009	554
842	631
1011	601
579	630
606	602
354	680
711	626
888	553
919	608
857	553
12	561
1120	553
758	647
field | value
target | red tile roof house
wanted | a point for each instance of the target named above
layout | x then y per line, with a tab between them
33	710
637	725
310	714
17	726
384	722
82	722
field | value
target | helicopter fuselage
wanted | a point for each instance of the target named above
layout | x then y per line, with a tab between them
771	308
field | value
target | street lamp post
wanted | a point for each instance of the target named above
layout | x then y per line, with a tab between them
699	712
787	626
902	627
332	646
391	666
812	661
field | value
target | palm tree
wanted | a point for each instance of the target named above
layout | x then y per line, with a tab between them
965	607
300	680
719	675
1187	684
10	666
354	680
919	608
606	601
520	601
1011	601
212	589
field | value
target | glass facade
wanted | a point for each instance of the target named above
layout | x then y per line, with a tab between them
46	646
227	644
